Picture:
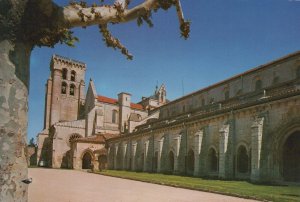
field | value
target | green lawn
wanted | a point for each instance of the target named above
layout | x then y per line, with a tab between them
233	188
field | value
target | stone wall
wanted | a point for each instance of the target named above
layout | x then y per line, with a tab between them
251	128
239	135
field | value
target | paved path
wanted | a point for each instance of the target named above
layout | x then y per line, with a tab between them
52	185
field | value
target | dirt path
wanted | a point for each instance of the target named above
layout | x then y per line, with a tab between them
52	185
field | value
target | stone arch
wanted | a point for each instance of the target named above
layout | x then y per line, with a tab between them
242	159
64	87
64	73
72	89
280	137
73	75
171	161
191	161
290	157
212	159
87	159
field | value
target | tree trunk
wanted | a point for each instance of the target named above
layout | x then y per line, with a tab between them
14	80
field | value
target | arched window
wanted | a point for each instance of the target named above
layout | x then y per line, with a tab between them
242	160
72	89
258	84
63	88
73	75
64	73
298	72
212	160
114	116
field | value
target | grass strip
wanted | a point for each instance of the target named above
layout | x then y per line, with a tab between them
241	189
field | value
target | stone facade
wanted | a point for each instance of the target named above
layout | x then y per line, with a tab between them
76	126
246	127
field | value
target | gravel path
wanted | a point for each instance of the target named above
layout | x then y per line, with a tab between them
52	185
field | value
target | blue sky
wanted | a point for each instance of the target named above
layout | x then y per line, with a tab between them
227	38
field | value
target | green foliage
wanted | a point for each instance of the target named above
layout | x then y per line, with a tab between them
31	142
185	29
68	38
63	36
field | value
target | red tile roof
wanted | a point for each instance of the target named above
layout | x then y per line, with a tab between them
115	101
136	106
107	99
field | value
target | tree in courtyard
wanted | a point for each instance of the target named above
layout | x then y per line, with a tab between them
31	142
25	24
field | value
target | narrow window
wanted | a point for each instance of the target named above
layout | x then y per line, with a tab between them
114	116
64	73
73	75
226	94
72	89
258	85
63	88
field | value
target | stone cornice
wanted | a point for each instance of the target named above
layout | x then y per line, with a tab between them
67	61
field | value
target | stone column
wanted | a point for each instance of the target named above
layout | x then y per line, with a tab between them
160	147
96	162
134	145
197	144
76	161
55	99
115	156
146	147
124	156
256	138
109	160
223	143
177	148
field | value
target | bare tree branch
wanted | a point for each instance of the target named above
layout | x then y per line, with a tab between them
76	16
184	25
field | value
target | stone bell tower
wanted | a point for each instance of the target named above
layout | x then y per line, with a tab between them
64	90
